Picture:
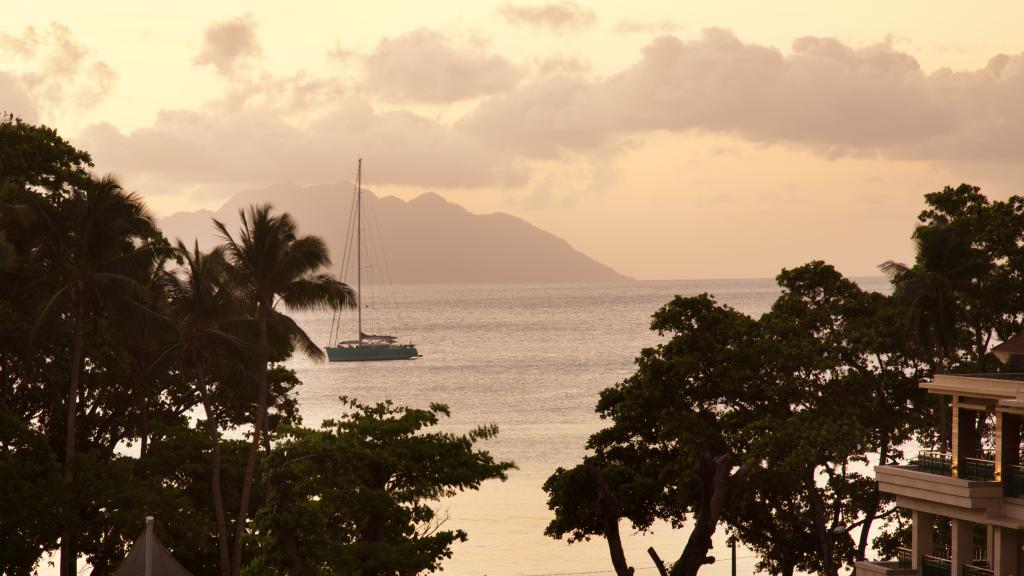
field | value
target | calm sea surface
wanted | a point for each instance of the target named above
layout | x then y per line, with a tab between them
531	359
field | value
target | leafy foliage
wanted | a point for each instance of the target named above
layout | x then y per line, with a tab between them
355	497
800	396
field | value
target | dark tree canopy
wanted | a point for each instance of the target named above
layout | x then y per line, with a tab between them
356	494
792	399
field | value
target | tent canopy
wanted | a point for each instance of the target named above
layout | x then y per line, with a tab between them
1011	349
149	557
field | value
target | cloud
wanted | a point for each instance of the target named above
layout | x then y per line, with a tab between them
554	16
628	26
561	66
227	44
258	146
542	119
824	95
47	70
301	127
298	97
423	66
15	100
340	55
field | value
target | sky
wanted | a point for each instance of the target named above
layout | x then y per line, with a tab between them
666	139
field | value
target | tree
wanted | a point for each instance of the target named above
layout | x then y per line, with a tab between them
795	398
839	389
201	304
355	494
37	158
100	246
959	291
271	263
995	231
30	486
670	452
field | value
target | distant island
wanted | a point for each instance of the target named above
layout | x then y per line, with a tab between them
426	240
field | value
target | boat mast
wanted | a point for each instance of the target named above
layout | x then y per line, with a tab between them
359	245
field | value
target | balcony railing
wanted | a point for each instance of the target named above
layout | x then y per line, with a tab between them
935	566
935	462
1013	476
904	558
977	469
972	570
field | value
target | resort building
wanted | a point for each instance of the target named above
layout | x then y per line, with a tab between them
968	504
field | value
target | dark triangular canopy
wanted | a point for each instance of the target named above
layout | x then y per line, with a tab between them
1011	349
161	563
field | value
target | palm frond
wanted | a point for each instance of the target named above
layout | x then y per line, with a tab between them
894	270
127	286
303	256
287	326
318	292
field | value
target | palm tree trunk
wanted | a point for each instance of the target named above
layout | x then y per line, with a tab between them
215	464
250	465
68	554
144	429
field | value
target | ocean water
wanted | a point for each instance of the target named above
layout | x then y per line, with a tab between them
531	359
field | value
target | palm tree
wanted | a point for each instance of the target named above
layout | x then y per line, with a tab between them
202	307
270	264
98	247
933	290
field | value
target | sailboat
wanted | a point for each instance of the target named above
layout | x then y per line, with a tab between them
366	346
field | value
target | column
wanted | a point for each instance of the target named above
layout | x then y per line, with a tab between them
962	544
1007	445
990	544
965	437
955	440
922	537
1005	554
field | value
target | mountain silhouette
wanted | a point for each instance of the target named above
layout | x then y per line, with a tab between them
424	240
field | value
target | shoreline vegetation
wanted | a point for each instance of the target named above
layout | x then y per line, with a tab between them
112	337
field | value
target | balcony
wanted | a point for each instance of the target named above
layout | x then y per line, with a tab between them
904	558
941	463
974	570
934	462
935	566
981	469
927	482
1013	477
883	568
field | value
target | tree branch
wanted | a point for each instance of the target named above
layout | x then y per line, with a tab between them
611	521
657	562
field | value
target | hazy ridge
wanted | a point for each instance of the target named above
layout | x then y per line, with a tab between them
425	240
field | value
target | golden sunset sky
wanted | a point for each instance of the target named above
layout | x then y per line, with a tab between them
666	139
